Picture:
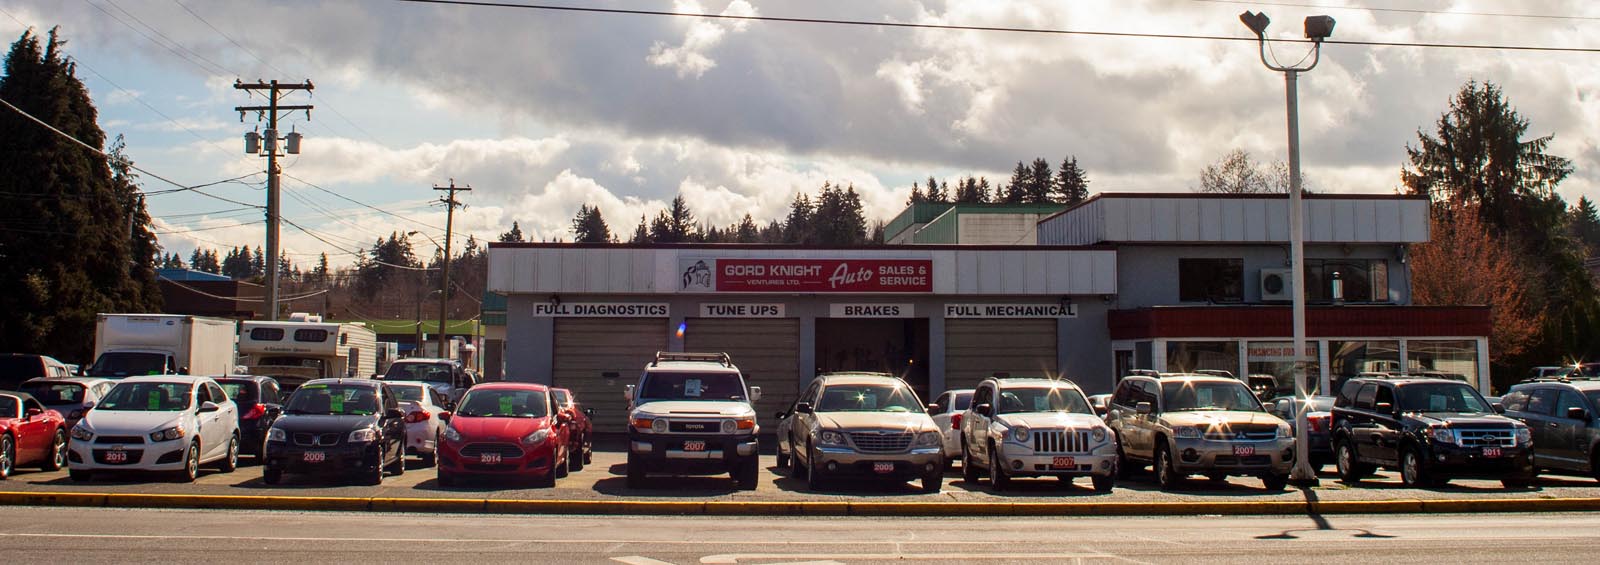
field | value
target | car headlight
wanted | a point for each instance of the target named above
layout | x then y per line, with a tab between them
276	434
364	435
929	439
450	434
831	438
1524	435
1187	432
1443	435
1019	434
1099	435
537	437
659	426
728	426
81	432
168	434
1284	430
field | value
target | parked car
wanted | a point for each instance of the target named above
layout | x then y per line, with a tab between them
1035	428
30	434
1100	403
1198	424
72	396
260	404
946	412
581	430
1319	424
1431	430
425	412
690	413
860	425
338	426
168	423
507	430
1565	420
445	375
16	368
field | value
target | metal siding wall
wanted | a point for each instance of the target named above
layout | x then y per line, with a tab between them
765	350
587	347
976	349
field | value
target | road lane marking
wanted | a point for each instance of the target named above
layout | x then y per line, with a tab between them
736	558
637	560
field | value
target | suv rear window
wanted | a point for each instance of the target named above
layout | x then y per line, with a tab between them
692	386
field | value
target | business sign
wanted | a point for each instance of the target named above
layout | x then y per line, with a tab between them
1277	350
870	311
1011	310
740	310
806	275
600	310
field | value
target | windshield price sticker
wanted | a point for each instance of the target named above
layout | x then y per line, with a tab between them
693	388
155	400
336	403
506	406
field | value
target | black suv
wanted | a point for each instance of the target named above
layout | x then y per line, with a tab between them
338	426
1431	430
1564	420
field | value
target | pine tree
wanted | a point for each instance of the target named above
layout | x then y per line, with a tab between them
641	234
1584	223
674	224
1072	183
258	263
968	191
935	193
319	273
1017	191
916	195
513	236
197	260
589	227
1040	181
747	232
797	226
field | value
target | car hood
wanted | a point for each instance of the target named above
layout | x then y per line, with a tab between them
876	421
696	408
323	423
1225	418
130	422
1052	420
1460	420
496	429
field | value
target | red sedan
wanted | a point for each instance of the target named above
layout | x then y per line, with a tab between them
505	429
581	431
30	434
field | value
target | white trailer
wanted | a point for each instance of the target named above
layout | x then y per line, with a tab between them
143	344
307	348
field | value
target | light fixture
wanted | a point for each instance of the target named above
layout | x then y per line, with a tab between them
1318	28
555	300
1256	22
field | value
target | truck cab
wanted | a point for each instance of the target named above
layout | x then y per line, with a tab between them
691	414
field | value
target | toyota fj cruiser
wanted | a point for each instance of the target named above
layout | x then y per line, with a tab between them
690	414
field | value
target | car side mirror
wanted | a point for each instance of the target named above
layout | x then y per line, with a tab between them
274	409
755	393
444	417
1384	407
1144	408
803	408
933	408
563	419
588	412
31	412
394	413
627	393
780	415
209	406
1577	413
985	410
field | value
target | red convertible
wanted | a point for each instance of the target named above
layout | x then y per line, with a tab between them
30	434
506	430
582	428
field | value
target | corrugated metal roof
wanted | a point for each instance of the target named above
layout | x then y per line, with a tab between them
1207	218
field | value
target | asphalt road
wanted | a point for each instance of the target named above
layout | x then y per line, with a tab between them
604	479
37	535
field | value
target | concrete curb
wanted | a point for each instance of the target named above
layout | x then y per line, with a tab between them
728	508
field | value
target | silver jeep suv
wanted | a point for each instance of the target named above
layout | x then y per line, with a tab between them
1185	424
1035	428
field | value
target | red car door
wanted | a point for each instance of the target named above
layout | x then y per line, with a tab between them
34	433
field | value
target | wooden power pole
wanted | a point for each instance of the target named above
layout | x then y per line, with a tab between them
253	144
444	268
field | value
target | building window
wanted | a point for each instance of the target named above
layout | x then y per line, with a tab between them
1349	359
1271	365
1365	280
1191	356
1450	359
1211	280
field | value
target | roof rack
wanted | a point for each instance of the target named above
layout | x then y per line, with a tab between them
721	358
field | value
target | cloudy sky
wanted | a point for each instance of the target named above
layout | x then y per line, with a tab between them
541	111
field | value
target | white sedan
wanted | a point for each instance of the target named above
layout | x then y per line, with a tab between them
422	404
169	423
946	412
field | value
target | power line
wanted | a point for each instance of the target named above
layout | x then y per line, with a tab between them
238	298
196	62
1401	10
1003	29
212	228
353	253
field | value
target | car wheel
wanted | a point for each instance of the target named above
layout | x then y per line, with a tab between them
997	471
191	464
58	452
446	479
933	482
1411	472
399	466
1275	482
783	458
230	461
969	469
374	475
559	468
635	472
1104	483
8	456
1344	460
80	475
797	470
1166	475
814	477
547	480
271	476
748	473
575	463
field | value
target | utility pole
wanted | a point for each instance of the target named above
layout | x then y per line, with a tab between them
444	268
253	144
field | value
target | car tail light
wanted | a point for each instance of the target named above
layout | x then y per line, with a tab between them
1317	424
418	416
255	412
955	420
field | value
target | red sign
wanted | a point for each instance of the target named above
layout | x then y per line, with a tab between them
824	275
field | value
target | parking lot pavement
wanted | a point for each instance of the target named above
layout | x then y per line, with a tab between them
604	479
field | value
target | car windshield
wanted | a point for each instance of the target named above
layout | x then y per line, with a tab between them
407	393
1184	396
241	392
128	364
963	401
868	398
692	386
1043	399
1442	397
503	403
560	397
53	394
334	400
425	372
147	397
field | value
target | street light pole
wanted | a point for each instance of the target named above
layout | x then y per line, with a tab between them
1317	29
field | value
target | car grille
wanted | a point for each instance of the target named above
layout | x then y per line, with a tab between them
1486	438
1249	460
1245	433
695	426
316	440
1060	441
119	439
881	442
133	456
506	450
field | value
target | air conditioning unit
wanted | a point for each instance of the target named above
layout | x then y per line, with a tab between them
1277	285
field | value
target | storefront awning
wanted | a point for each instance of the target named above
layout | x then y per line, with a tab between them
1321	321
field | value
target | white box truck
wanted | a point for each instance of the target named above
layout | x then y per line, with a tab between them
127	345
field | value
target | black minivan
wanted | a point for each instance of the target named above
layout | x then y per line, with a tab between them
1431	430
338	427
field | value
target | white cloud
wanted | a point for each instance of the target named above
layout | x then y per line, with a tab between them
689	58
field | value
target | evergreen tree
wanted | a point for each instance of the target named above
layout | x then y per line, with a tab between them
641	234
916	195
197	260
968	191
1072	183
589	227
674	224
797	226
1584	224
1040	181
513	236
935	192
747	232
258	263
319	274
1017	191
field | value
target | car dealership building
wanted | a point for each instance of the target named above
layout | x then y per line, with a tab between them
1169	282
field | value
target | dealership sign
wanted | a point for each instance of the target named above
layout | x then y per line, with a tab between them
870	311
728	310
600	310
806	275
1011	310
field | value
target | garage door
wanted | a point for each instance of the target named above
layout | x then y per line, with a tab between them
977	349
586	348
767	351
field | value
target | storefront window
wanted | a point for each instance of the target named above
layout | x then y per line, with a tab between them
1211	280
1365	280
1271	365
1456	360
1191	356
1349	359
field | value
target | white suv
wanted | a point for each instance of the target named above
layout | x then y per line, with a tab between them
160	423
691	414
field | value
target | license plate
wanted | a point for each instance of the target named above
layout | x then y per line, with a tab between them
694	446
1063	463
315	457
489	458
1244	450
1491	452
116	456
883	467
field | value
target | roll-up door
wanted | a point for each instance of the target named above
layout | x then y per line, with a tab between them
587	348
976	349
767	351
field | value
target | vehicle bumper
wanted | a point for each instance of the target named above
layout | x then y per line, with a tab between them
1023	462
537	461
337	459
163	456
420	439
952	444
1470	463
666	453
1218	456
252	438
847	461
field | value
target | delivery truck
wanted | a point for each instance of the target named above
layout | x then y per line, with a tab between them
127	345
